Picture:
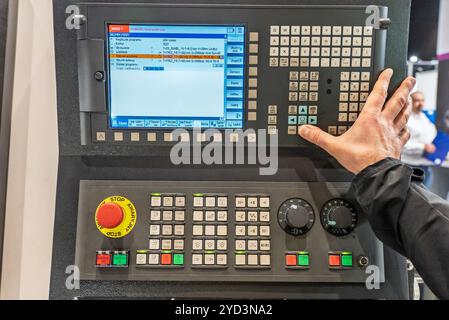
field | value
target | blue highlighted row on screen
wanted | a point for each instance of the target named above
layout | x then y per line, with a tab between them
138	123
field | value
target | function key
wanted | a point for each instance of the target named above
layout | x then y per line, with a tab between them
240	202
265	231
265	245
316	30
197	230
254	36
156	201
179	230
252	202
179	215
241	230
296	30
265	260
285	30
197	244
253	259
209	259
198	215
222	202
240	259
166	244
167	215
222	216
222	245
240	245
240	216
198	201
222	230
141	259
178	244
264	216
154	244
209	230
153	259
222	259
252	216
166	259
167	230
155	215
210	216
210	202
180	201
197	259
168	201
155	229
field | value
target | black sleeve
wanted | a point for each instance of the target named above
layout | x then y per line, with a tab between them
408	218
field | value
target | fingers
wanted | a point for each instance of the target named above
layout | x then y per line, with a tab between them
378	96
399	100
318	137
405	136
402	119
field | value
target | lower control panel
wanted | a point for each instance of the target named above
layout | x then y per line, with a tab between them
223	231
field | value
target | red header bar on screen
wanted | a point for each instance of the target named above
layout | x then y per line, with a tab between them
119	28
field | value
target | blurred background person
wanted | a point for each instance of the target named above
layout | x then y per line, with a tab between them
422	134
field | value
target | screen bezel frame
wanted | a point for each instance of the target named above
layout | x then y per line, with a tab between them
107	75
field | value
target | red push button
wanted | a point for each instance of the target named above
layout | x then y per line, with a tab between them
290	260
334	260
110	215
166	259
103	259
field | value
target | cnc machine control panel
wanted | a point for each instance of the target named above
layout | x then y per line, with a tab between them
254	67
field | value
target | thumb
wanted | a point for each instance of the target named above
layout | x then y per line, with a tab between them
317	136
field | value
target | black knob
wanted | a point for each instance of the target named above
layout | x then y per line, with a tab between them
296	217
339	217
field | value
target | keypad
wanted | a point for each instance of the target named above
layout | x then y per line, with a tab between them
303	96
354	92
210	231
252	231
166	243
321	46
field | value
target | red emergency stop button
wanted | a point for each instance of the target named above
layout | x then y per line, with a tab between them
110	215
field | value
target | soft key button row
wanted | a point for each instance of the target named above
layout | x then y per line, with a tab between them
210	201
252	231
166	243
253	61
165	258
210	231
252	201
159	200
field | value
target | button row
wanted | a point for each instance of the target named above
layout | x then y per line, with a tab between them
253	245
320	62
303	96
166	244
167	215
252	216
252	202
252	231
322	30
210	216
160	259
242	259
303	86
253	76
351	48
210	244
337	130
167	229
351	107
112	259
210	201
297	260
355	76
304	76
209	259
340	260
210	230
168	201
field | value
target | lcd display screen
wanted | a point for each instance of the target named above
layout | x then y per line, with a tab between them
176	76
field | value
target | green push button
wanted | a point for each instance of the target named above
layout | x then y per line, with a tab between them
178	259
303	260
346	260
120	260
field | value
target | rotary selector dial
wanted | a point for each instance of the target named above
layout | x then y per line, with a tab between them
296	217
339	217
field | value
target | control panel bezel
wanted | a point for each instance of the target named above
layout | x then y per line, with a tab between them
92	48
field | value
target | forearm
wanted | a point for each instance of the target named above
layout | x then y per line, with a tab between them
408	218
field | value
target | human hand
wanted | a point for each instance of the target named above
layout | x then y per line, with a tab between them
430	148
380	131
